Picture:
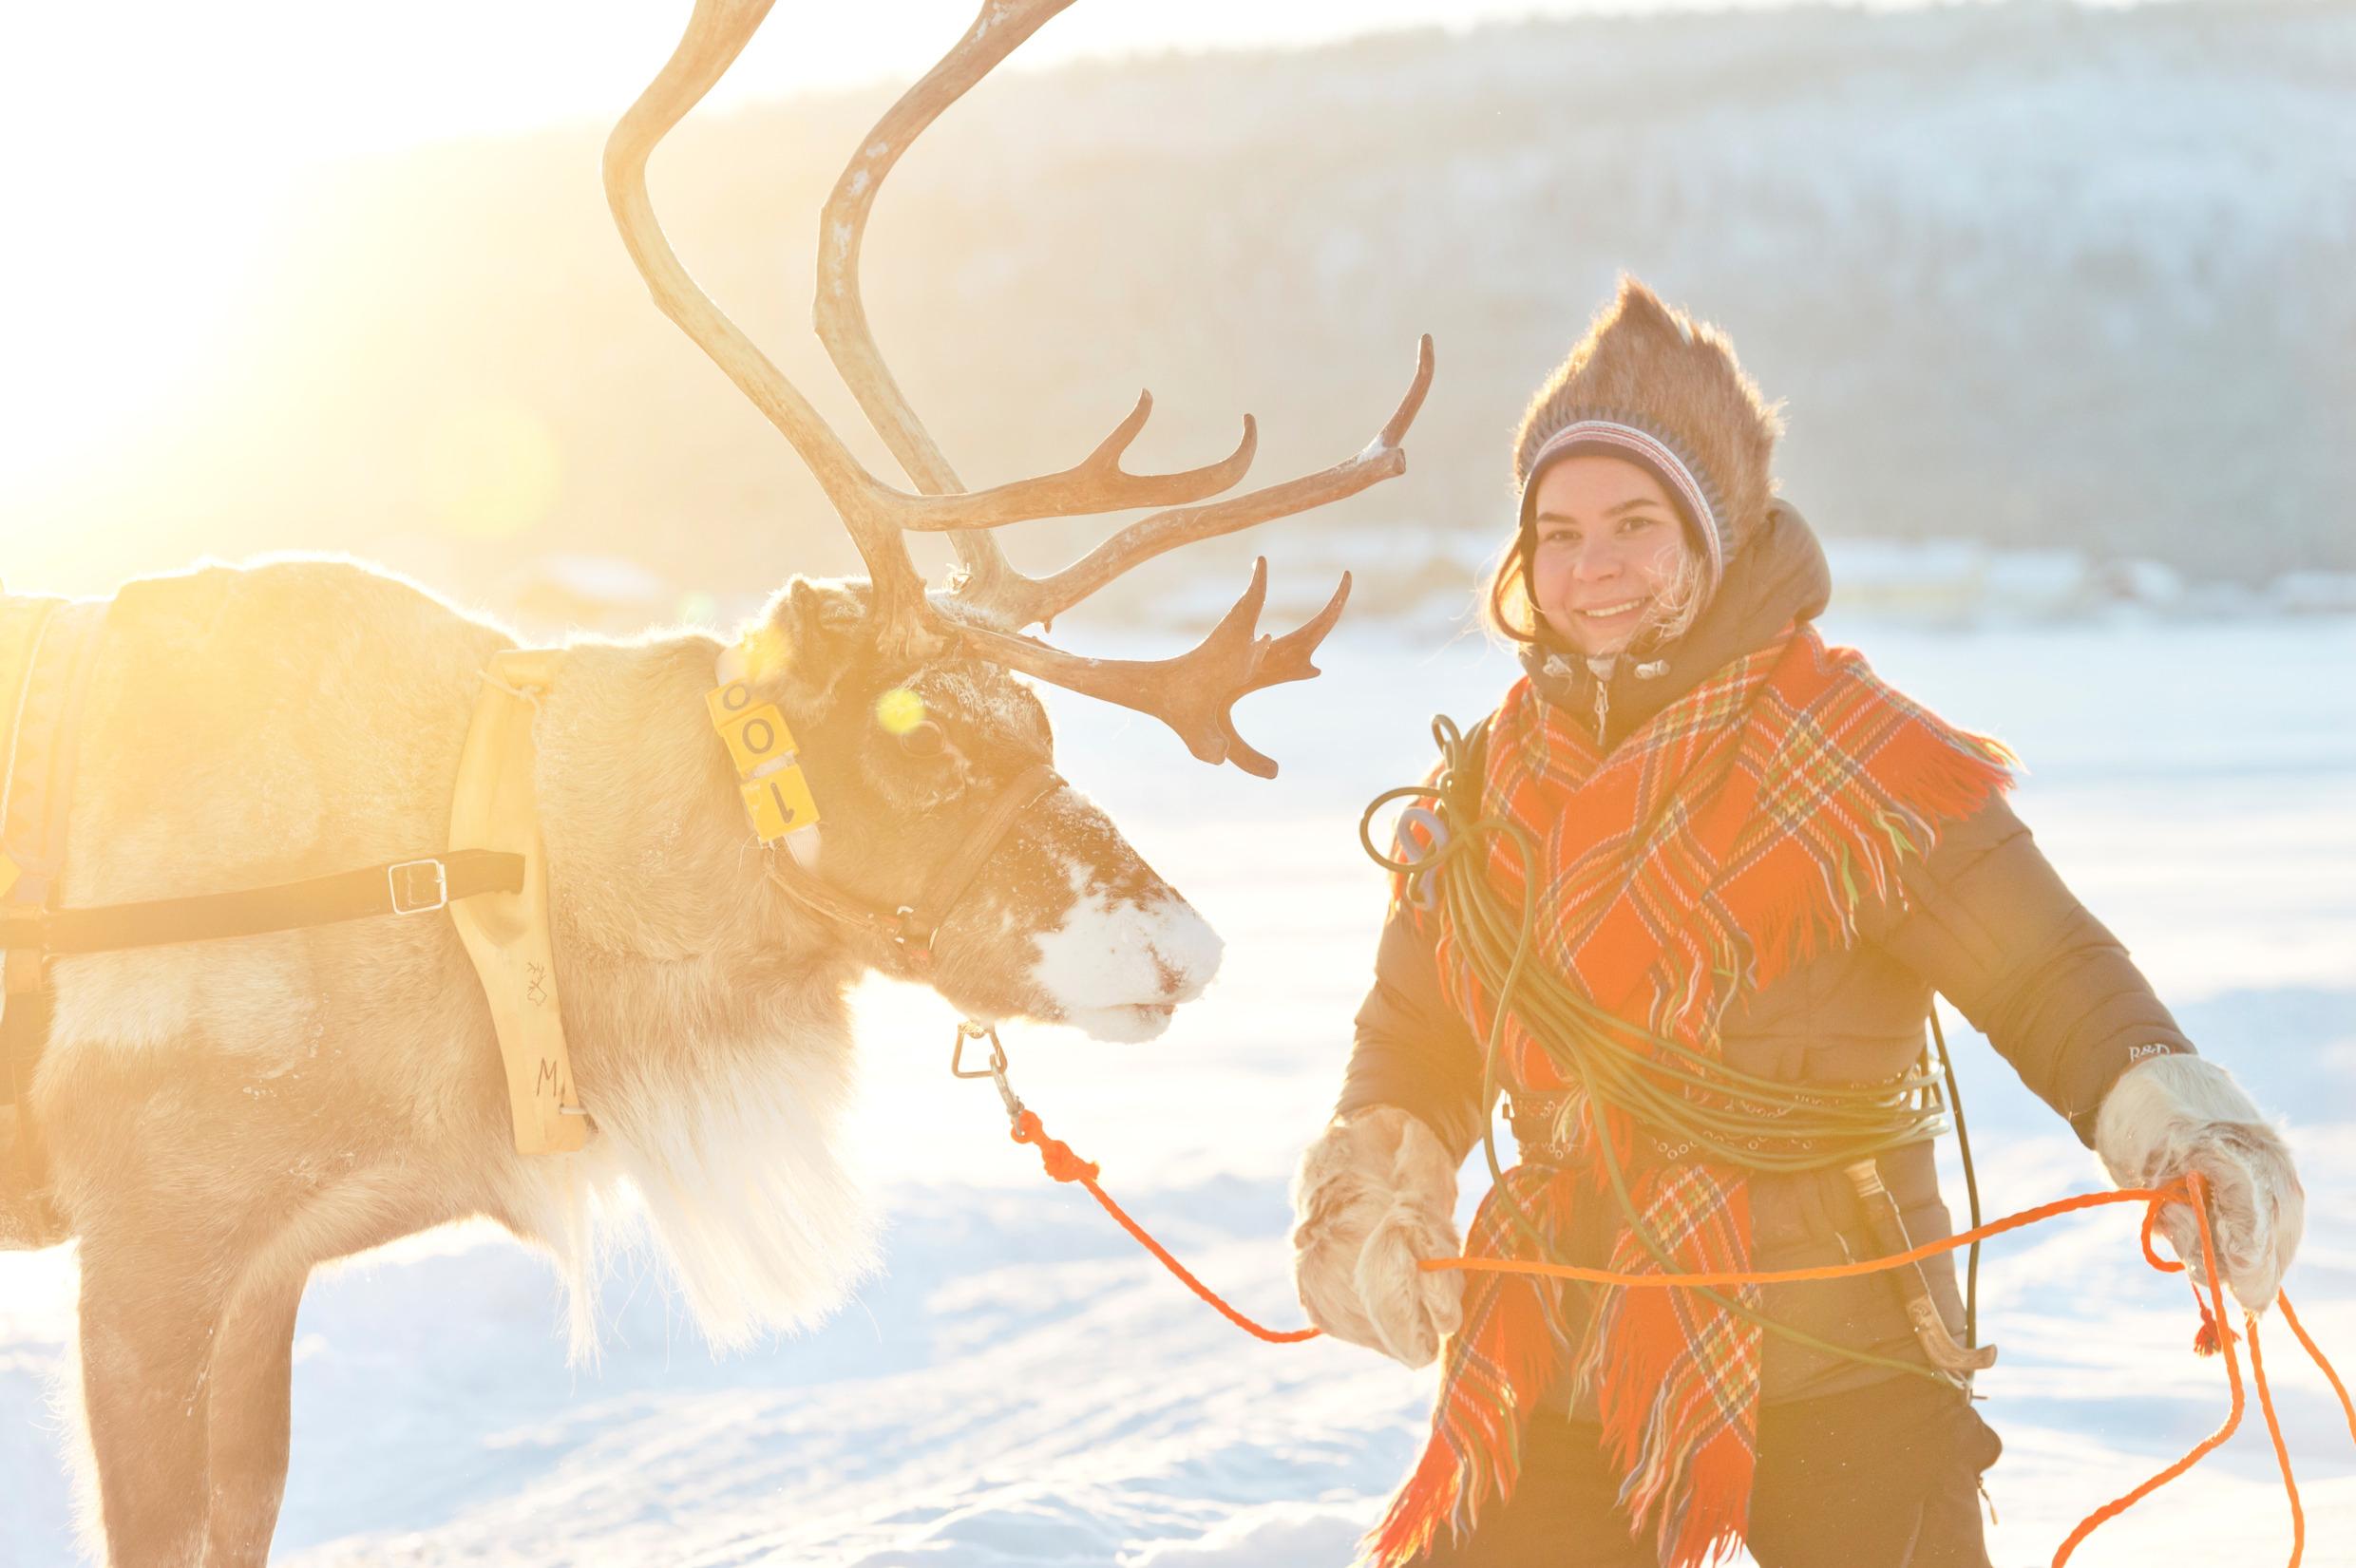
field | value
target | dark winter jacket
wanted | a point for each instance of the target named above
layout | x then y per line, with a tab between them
1986	923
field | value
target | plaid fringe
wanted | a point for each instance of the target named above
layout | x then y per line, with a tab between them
1503	1358
1732	836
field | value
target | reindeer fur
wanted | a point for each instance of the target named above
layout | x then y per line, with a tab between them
222	1117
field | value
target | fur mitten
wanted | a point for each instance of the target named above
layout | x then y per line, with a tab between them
1376	1194
2172	1115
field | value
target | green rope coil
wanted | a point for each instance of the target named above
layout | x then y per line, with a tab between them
1663	1086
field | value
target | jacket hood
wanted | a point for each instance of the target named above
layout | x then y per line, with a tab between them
1779	577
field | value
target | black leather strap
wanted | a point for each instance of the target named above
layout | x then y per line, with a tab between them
399	887
910	927
949	881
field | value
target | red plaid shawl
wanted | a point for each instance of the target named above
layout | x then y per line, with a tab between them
1727	839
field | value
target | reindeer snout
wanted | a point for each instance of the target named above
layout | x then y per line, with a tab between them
1184	954
1118	968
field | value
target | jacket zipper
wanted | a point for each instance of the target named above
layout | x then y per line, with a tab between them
1601	669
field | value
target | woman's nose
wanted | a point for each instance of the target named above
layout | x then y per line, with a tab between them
1595	563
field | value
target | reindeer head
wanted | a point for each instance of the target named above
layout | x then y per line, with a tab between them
1054	915
924	754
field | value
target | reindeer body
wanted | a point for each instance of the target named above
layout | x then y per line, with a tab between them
223	1116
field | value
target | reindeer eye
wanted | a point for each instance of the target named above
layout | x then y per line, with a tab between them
924	739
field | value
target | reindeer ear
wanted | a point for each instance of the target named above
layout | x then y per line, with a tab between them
813	635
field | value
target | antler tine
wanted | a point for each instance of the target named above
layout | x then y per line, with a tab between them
1192	692
1098	484
1016	600
715	34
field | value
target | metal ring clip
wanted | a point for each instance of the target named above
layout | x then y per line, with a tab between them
995	1069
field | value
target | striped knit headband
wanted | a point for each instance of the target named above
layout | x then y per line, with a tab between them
1609	438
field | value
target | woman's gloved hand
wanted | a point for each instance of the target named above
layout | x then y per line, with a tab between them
2174	1115
1376	1194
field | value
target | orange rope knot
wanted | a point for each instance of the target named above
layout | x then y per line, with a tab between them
1053	1153
2212	1335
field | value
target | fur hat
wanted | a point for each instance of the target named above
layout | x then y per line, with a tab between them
1648	377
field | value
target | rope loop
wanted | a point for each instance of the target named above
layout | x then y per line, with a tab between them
1631	1079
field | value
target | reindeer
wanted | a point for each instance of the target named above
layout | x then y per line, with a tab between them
222	1117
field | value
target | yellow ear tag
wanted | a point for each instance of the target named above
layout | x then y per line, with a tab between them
729	702
780	804
776	795
757	738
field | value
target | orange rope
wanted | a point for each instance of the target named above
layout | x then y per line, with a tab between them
1064	1165
2346	1407
1830	1270
2233	1377
2282	1454
2213	1335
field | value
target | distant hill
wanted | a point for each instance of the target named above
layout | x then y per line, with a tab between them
2026	274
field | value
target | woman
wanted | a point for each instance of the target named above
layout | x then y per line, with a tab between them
1751	864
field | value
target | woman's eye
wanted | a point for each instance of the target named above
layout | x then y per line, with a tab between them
1636	523
924	739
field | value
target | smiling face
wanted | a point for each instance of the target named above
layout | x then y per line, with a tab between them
1610	553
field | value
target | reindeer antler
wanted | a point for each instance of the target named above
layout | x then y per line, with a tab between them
1020	600
873	512
1191	693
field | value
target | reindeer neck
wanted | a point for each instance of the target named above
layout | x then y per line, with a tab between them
652	866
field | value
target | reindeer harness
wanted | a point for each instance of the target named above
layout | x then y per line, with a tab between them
493	880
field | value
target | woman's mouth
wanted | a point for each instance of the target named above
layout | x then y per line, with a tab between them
1612	612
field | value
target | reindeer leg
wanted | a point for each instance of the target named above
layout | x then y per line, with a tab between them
151	1305
173	1177
253	1369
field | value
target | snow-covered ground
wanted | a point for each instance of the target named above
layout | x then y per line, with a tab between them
1021	1385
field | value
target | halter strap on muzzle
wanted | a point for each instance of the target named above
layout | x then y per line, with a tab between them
911	927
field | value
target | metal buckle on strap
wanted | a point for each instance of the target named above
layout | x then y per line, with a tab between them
912	934
418	887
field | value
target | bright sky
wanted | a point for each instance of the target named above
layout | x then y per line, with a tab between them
149	141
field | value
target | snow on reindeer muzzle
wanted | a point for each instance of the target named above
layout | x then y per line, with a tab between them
1090	934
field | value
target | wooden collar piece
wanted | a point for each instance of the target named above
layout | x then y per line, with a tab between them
506	933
